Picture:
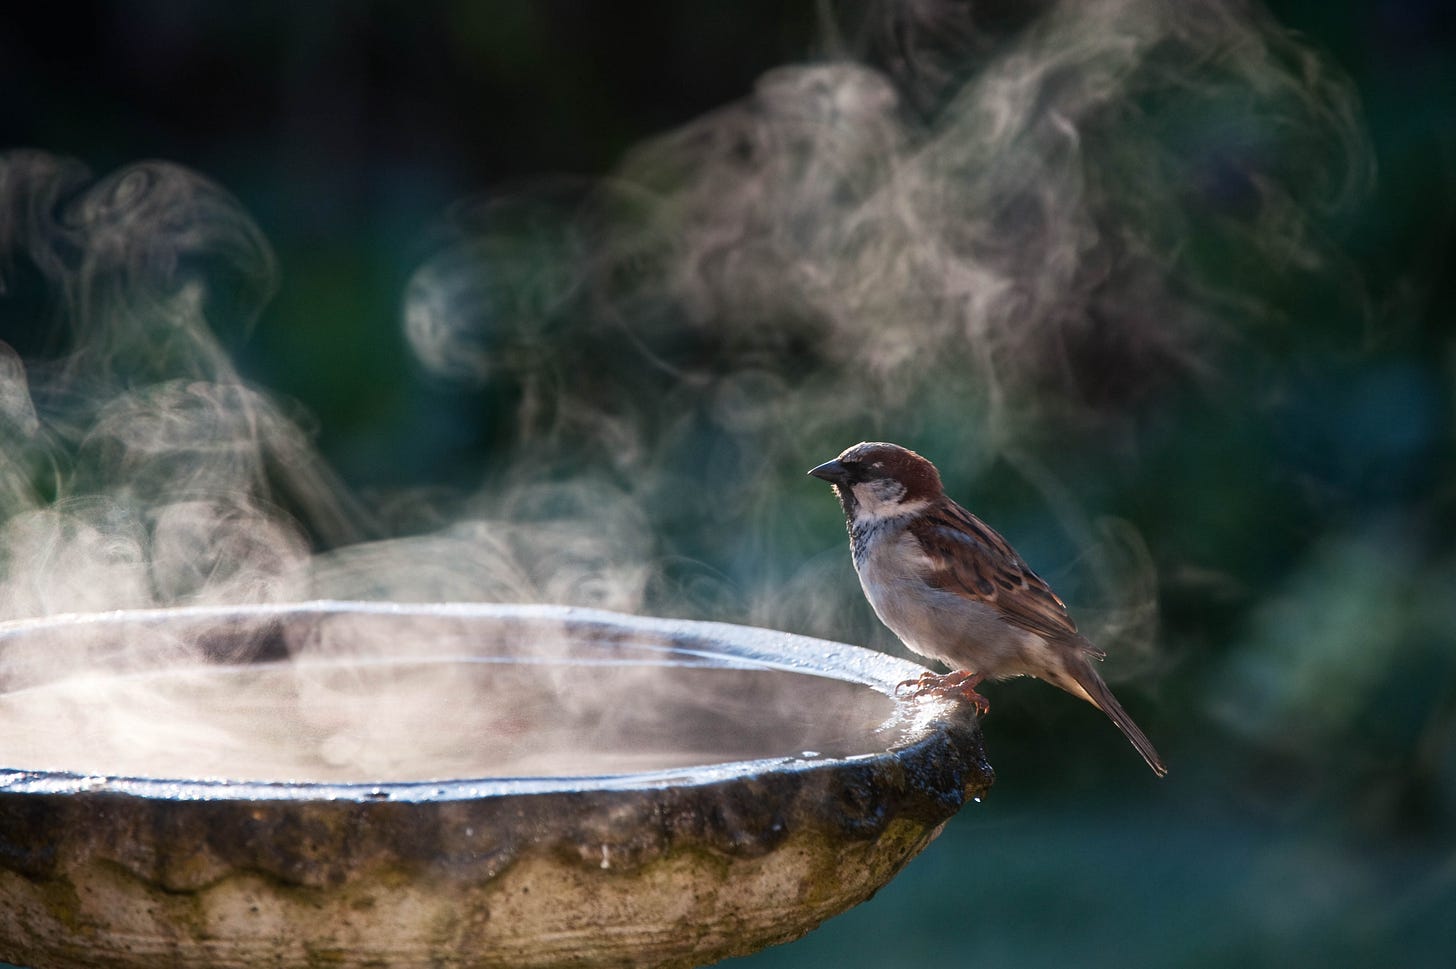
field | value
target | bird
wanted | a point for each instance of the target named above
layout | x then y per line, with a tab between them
953	590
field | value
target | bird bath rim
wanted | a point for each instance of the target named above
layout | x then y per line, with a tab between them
729	645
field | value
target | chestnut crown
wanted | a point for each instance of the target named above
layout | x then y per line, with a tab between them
879	460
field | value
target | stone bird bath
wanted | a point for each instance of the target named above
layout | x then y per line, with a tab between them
364	784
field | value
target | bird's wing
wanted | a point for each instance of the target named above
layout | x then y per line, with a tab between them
969	558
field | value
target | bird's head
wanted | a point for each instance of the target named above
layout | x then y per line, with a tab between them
878	480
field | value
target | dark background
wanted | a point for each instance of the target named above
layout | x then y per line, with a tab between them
1297	510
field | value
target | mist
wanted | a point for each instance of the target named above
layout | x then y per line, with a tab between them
975	233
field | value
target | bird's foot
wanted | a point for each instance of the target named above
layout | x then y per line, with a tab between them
960	684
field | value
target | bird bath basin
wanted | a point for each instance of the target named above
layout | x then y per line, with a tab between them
357	784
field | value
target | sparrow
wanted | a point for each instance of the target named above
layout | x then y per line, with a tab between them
954	590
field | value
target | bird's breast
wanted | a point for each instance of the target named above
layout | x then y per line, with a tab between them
940	624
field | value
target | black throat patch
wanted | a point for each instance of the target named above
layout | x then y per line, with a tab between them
847	502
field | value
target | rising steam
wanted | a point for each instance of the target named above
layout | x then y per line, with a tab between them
969	228
947	226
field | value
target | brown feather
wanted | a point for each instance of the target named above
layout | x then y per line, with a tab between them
969	557
1087	678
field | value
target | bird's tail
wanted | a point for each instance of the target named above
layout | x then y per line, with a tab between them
1101	697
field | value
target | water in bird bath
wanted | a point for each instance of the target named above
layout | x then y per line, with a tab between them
379	720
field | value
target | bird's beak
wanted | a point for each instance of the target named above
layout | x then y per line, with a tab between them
831	471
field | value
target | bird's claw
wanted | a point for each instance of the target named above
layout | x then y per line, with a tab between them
960	685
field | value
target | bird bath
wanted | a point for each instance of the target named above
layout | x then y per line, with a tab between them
363	784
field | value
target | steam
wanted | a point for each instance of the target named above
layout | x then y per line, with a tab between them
945	228
949	228
349	708
141	470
